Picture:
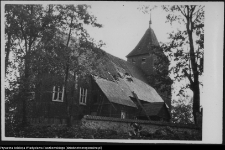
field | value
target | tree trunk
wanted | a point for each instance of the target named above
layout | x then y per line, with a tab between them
66	98
26	79
25	90
66	78
196	98
7	52
195	85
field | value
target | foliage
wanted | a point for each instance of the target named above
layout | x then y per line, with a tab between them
26	24
185	49
79	132
136	130
182	111
160	78
46	40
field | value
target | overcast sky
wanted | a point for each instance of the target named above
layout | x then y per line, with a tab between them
124	25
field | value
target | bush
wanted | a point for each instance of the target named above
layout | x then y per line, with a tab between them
75	132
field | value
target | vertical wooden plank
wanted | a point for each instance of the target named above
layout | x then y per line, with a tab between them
85	96
110	110
80	95
63	93
53	94
58	92
76	82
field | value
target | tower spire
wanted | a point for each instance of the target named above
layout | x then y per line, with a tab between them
150	21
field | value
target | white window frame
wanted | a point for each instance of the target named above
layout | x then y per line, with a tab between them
83	96
58	92
123	115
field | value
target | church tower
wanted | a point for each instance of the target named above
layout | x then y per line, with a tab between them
142	55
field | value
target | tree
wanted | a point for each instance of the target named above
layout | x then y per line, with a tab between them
69	48
24	22
74	18
186	46
33	29
182	111
160	79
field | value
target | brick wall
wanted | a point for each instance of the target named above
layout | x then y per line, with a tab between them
123	125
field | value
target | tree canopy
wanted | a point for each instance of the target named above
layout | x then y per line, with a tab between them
48	39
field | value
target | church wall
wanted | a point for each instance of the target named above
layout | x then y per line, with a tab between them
42	105
123	125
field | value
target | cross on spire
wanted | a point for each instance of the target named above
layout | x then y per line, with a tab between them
150	22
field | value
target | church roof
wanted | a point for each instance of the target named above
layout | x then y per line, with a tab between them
143	47
117	79
156	109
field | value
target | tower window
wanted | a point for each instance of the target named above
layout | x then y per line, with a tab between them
143	60
133	61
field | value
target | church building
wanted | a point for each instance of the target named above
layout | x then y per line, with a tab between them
117	88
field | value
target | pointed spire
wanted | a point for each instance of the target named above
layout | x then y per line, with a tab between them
150	22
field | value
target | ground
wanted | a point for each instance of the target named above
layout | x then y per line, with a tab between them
79	132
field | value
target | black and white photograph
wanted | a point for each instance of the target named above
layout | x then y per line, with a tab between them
112	71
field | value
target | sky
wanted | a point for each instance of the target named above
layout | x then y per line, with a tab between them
124	25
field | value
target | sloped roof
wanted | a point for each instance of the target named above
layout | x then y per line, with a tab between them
143	47
120	91
156	109
143	90
152	109
112	75
109	66
114	92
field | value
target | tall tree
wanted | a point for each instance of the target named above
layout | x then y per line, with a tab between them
24	22
186	46
69	49
75	18
29	25
45	34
